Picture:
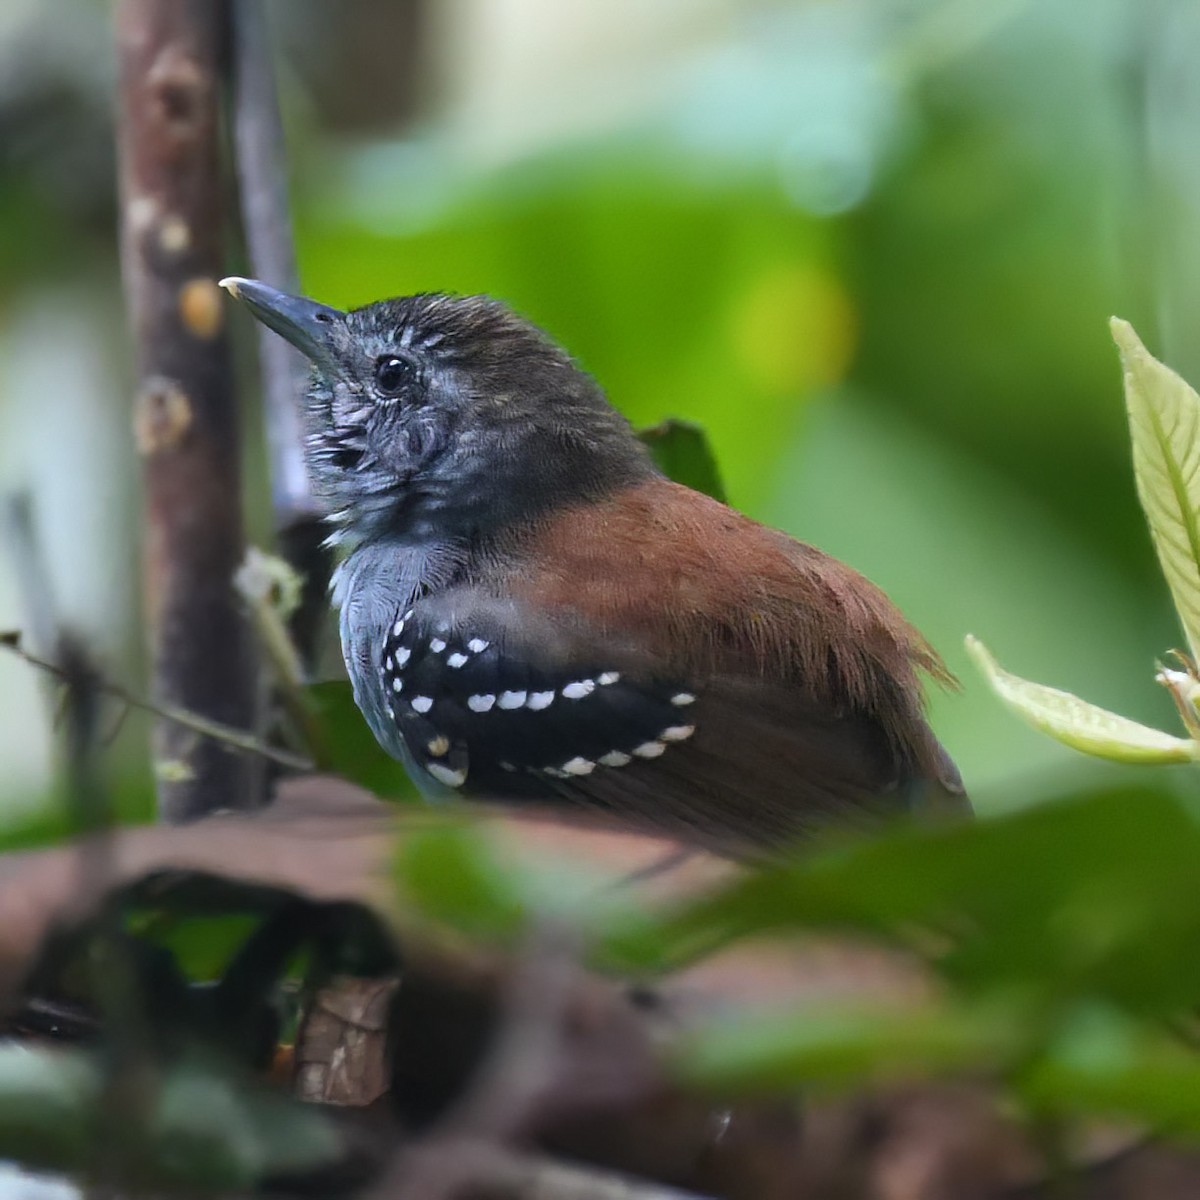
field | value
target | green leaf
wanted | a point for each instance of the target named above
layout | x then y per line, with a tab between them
682	451
201	946
46	1103
1102	1062
455	873
206	1130
1164	423
1089	896
1077	723
348	747
840	1046
215	1130
1090	1060
449	872
48	818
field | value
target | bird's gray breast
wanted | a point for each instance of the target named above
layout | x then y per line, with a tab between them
374	583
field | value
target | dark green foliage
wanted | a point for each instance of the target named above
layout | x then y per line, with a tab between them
448	873
683	453
1091	896
216	970
204	1131
348	747
1065	937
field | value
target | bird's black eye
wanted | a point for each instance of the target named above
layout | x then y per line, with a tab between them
393	375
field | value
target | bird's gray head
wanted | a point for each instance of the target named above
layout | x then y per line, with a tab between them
444	416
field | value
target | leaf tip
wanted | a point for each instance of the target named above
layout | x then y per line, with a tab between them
1126	338
980	654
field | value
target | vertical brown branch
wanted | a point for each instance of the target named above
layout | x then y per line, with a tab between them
185	419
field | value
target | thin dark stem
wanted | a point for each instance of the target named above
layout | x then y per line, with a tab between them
234	739
262	188
129	1079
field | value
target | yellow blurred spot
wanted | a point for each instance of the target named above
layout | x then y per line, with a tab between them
200	307
794	328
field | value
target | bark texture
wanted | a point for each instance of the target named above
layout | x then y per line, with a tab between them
185	419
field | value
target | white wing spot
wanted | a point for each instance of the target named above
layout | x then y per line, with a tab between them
398	628
456	660
511	699
477	645
579	766
397	684
481	703
422	704
614	758
506	766
408	615
438	746
649	749
387	664
446	775
677	733
608	677
681	699
403	655
539	700
436	645
579	689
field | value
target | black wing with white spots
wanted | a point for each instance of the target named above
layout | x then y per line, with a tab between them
494	700
487	706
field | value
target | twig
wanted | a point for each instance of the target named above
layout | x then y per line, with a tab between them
260	580
77	708
501	1104
262	180
37	607
225	734
528	1051
129	1077
172	233
262	188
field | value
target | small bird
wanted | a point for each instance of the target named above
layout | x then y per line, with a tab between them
530	611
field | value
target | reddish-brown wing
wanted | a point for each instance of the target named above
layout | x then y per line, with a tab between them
806	676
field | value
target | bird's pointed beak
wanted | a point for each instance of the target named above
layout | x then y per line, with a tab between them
309	326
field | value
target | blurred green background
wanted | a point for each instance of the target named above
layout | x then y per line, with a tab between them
872	245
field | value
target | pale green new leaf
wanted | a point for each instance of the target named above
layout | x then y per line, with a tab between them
1164	423
1077	723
